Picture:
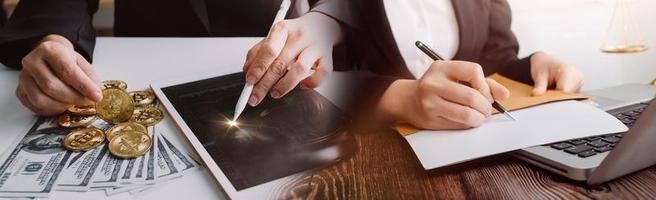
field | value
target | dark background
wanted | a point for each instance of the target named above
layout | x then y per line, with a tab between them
3	14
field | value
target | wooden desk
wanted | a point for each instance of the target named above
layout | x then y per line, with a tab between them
385	167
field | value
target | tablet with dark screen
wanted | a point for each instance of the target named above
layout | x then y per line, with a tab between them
275	139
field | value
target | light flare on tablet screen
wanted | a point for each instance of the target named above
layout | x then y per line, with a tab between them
232	123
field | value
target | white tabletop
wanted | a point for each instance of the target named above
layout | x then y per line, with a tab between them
139	61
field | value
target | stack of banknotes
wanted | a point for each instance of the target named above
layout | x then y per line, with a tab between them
36	165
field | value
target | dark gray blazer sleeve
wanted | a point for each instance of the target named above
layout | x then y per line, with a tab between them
34	19
501	47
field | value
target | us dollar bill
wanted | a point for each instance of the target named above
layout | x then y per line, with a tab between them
156	172
180	159
137	173
37	165
80	171
165	168
140	169
172	163
33	166
82	166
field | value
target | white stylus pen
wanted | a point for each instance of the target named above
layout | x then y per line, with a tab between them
248	88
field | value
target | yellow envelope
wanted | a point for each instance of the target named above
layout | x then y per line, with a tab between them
520	97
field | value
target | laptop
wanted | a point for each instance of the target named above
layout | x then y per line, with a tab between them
601	158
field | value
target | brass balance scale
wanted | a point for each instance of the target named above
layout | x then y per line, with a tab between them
625	32
623	35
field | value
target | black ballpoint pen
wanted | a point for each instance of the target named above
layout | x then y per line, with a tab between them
433	55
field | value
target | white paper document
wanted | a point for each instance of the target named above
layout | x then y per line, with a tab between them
534	126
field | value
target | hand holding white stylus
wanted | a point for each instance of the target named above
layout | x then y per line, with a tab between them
248	88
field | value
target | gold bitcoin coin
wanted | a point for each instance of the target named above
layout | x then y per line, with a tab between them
122	127
82	110
115	107
84	139
114	84
147	115
73	121
142	98
130	144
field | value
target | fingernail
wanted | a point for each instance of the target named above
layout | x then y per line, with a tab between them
97	96
252	101
251	79
275	94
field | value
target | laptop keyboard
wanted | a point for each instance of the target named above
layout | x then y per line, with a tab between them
590	146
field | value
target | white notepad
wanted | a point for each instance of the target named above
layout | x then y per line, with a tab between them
534	126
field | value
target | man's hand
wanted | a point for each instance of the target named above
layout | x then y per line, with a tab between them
548	71
54	77
440	100
278	63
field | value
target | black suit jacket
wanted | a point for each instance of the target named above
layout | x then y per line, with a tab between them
3	14
33	19
195	18
485	38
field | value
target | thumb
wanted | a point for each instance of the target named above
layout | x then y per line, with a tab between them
541	82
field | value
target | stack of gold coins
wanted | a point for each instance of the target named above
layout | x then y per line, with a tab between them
122	127
128	140
130	144
144	113
130	112
77	116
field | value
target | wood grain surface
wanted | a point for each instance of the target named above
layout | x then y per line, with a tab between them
384	167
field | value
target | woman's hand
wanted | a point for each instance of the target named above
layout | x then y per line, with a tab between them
54	77
440	100
547	71
278	63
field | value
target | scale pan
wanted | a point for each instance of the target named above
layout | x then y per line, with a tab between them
624	49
